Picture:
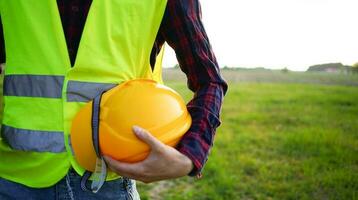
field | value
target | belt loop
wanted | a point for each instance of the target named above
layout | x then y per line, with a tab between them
69	188
127	183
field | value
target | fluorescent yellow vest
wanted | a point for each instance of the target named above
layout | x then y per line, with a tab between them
42	92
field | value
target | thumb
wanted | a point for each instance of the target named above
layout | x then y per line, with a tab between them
146	137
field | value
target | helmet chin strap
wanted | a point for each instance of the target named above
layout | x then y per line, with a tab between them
100	173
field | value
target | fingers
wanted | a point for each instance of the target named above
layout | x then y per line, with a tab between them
133	171
146	137
124	169
145	170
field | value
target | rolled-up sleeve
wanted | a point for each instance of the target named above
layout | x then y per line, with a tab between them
183	30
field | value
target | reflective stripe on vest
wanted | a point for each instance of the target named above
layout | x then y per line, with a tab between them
78	91
47	86
33	86
33	140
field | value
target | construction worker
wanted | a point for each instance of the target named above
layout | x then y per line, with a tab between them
59	55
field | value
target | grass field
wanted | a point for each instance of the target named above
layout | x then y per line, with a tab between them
279	139
283	136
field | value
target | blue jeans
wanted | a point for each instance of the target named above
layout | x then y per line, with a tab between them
69	188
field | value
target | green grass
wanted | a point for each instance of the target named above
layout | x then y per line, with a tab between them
277	141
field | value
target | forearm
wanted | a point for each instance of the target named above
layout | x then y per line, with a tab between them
184	32
205	109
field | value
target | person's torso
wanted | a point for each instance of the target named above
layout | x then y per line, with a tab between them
43	91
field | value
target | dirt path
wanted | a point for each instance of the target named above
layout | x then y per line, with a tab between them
156	192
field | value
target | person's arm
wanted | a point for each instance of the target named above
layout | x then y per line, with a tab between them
183	30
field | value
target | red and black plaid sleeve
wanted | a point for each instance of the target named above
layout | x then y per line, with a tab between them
183	30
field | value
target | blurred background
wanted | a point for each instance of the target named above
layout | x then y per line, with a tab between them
280	33
290	118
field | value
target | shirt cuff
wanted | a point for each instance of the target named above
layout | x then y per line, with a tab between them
197	142
197	165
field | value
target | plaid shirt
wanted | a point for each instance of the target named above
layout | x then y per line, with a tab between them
183	30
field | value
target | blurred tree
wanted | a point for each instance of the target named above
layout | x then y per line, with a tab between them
285	70
355	68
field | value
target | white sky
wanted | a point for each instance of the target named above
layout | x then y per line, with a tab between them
280	33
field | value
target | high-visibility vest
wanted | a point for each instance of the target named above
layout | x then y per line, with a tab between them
43	92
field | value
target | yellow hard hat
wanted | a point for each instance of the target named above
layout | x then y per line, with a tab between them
142	102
